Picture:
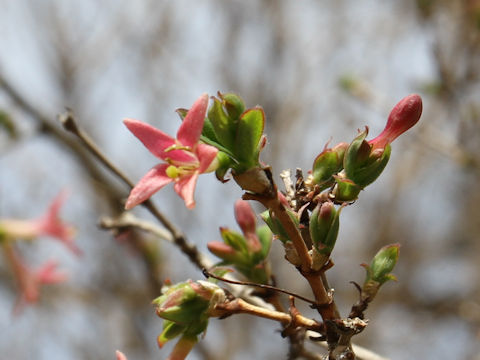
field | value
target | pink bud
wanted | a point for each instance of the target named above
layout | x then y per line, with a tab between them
247	221
222	250
402	117
245	216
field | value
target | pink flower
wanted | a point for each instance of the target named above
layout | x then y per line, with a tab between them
48	224
402	117
29	281
185	157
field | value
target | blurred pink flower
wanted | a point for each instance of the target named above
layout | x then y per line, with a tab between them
48	224
29	281
185	157
402	117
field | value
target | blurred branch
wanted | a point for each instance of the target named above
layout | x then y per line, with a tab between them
46	126
127	220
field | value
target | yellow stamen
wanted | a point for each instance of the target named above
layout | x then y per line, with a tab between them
172	172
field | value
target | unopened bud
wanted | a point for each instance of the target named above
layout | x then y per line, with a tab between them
402	117
361	165
378	272
324	224
328	163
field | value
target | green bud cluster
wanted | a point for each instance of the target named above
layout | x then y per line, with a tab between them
185	308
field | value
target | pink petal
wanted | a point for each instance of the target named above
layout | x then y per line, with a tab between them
47	273
155	141
189	132
54	208
51	224
206	154
154	180
185	187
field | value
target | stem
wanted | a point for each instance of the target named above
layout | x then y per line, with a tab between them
325	305
239	306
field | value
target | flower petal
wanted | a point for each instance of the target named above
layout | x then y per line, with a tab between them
51	224
48	274
155	141
154	180
206	154
185	187
191	129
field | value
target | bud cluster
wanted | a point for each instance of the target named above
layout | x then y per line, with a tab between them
186	308
247	252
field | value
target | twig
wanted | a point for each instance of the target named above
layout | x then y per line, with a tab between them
246	283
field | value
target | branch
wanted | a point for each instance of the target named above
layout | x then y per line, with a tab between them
127	220
361	353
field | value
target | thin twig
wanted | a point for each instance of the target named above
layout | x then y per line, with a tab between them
247	283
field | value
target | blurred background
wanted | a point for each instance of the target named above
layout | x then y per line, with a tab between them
321	70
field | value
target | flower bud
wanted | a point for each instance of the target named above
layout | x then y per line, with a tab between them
402	117
247	221
346	189
328	163
276	226
248	252
362	165
378	272
186	307
324	224
224	251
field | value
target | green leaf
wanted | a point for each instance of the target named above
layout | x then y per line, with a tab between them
234	239
170	331
265	236
208	131
249	132
223	126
